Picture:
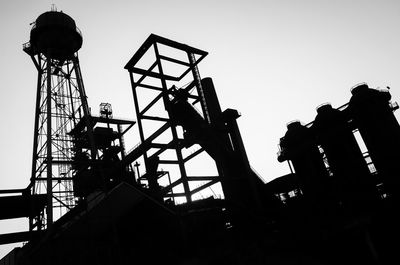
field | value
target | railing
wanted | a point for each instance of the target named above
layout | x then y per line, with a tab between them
197	78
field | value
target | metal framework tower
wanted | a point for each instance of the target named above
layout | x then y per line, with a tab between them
60	104
160	71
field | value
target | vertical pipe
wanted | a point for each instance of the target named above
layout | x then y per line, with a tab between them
121	141
35	137
247	177
49	209
211	103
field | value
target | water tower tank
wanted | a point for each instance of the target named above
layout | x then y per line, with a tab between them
55	35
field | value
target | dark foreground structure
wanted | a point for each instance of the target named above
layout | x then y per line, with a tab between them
90	201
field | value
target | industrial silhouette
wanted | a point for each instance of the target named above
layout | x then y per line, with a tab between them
90	200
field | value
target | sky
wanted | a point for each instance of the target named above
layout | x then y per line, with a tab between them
273	61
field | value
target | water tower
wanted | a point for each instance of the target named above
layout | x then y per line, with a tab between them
60	104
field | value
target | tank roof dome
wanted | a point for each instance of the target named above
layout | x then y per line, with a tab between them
55	35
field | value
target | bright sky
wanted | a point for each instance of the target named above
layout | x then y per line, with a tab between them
274	61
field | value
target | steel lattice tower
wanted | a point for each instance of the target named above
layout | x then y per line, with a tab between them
181	124
60	104
157	71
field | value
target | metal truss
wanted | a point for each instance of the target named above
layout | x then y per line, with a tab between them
60	105
159	71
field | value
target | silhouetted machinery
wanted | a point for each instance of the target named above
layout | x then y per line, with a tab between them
373	114
327	148
60	104
168	209
341	182
81	166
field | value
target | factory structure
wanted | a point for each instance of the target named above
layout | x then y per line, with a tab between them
93	199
